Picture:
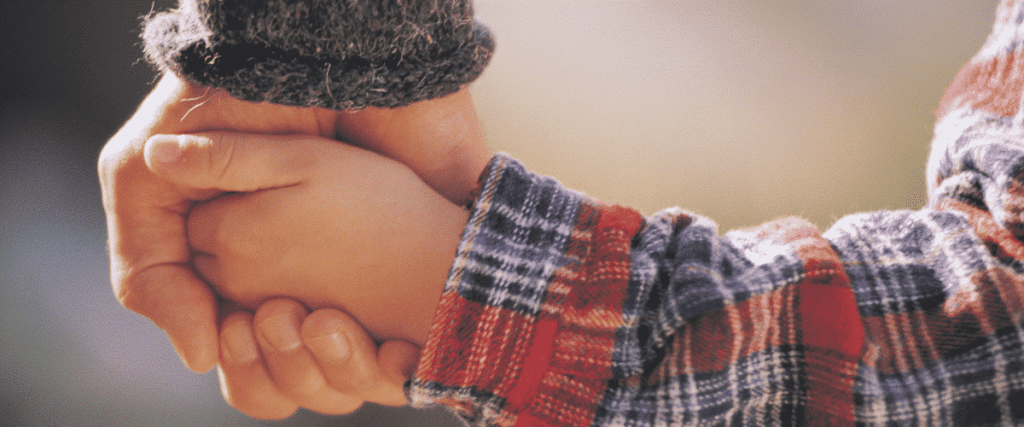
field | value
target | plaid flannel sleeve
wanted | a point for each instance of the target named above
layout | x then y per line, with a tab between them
563	311
531	311
941	291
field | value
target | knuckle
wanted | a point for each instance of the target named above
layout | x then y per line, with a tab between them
127	293
215	156
112	151
222	153
105	164
123	294
115	161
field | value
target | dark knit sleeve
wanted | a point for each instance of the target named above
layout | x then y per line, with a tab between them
338	54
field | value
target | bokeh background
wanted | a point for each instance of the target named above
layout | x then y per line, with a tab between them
739	110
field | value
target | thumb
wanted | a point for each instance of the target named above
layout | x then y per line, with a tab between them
228	161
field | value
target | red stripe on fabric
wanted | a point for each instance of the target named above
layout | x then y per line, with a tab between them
833	341
483	347
900	342
593	310
617	217
830	319
566	388
573	273
830	379
833	335
830	322
828	308
583	352
535	365
993	85
441	356
565	399
766	320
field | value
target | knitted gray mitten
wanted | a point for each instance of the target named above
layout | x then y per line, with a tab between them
340	54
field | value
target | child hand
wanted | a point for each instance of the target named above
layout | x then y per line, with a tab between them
377	242
328	224
285	357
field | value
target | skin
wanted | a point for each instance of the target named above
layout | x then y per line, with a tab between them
360	231
151	270
334	362
331	225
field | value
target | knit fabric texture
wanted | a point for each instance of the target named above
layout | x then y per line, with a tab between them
338	54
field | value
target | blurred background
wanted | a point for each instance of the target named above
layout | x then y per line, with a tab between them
739	110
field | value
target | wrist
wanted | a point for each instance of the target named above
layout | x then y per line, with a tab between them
423	232
426	290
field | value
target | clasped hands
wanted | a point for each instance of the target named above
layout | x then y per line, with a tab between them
279	218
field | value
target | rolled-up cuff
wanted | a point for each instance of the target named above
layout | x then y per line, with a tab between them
527	324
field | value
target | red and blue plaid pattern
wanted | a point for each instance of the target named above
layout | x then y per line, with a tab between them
561	311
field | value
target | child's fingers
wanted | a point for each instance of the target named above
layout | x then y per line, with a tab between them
398	360
348	358
290	364
228	161
244	380
213	234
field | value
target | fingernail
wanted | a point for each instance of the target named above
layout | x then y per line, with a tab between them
237	344
331	347
282	332
165	149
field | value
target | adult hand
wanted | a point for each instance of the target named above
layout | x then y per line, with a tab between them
150	259
150	271
440	140
149	256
